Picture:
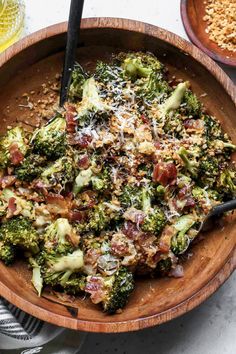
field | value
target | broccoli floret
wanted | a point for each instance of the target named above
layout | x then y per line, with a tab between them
59	235
173	102
91	102
20	232
78	79
180	240
208	171
75	284
50	140
213	129
58	173
226	183
164	266
191	166
131	196
16	137
37	279
192	105
155	221
23	207
139	65
154	86
119	288
58	269
224	145
107	73
31	167
101	216
102	181
7	253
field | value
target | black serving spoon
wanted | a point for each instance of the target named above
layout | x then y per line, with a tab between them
216	212
76	9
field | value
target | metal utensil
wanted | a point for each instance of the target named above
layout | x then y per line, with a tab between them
217	211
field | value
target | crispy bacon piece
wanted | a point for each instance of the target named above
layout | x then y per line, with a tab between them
16	155
57	204
70	119
194	124
7	181
164	243
130	230
165	173
96	289
134	215
11	207
145	120
84	162
76	216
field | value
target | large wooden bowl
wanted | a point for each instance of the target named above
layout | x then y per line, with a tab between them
24	67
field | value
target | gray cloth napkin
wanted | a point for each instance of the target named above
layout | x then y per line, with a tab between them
21	333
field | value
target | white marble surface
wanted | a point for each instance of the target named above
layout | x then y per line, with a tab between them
211	328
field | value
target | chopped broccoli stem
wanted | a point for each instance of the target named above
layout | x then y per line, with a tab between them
173	102
37	279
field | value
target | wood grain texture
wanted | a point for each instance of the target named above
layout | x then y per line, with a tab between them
192	13
23	68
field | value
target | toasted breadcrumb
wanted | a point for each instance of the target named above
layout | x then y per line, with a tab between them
221	23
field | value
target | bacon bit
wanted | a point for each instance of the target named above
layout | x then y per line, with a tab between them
57	204
165	173
190	202
157	145
41	187
76	216
16	155
84	162
95	287
7	181
84	141
144	119
134	215
12	206
183	192
90	260
163	246
130	230
193	125
73	238
70	119
177	272
166	236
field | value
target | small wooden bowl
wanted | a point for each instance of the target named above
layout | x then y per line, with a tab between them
36	59
192	12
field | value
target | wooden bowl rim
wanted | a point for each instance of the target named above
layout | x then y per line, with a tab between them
230	263
194	38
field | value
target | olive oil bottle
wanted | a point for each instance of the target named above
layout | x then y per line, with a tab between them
12	14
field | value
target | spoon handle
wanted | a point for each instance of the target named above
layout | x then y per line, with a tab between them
76	9
222	208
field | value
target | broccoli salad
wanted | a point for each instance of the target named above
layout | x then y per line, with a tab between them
116	185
